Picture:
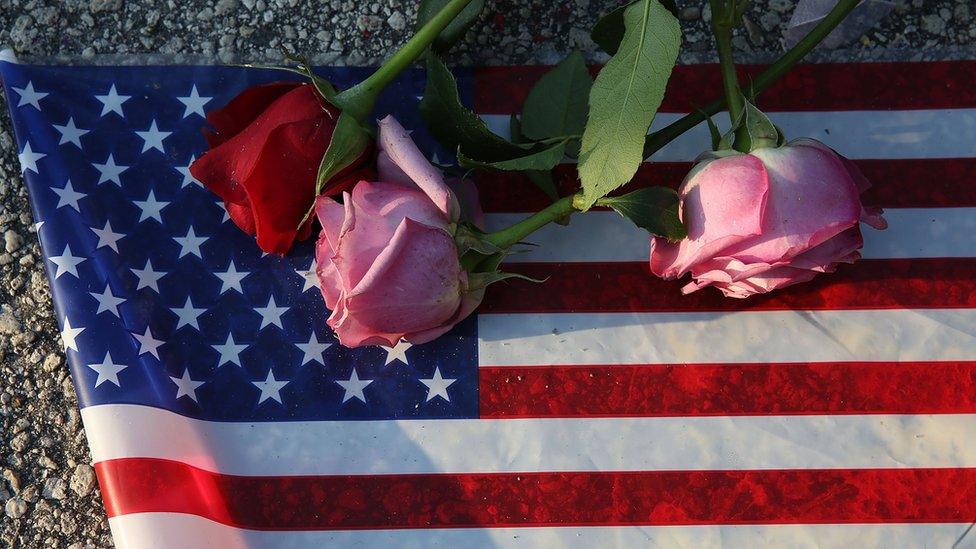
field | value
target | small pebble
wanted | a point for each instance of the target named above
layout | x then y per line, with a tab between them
15	508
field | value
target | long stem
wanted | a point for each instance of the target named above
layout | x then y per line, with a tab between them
359	99
662	137
505	238
722	29
564	206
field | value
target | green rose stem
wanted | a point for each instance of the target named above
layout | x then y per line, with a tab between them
360	99
723	16
512	235
655	141
662	137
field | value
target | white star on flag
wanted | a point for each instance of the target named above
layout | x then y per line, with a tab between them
311	278
112	102
148	343
353	387
188	178
194	103
107	237
313	350
153	138
28	96
68	196
109	171
148	278
107	371
229	351
69	335
190	244
186	386
70	133
271	313
66	263
397	352
437	386
28	158
231	278
107	301
188	314
151	208
270	388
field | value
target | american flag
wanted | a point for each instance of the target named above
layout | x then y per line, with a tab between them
601	408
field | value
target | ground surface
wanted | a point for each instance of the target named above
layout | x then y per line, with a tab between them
48	496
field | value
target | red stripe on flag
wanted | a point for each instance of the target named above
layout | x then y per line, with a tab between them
630	287
727	389
896	184
808	87
142	485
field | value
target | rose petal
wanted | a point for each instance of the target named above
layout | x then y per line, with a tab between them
872	217
824	258
722	203
331	215
242	110
225	167
242	216
330	280
469	302
248	169
857	176
281	193
413	284
351	333
403	152
374	211
812	198
389	172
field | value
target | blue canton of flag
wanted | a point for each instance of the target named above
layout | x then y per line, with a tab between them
162	301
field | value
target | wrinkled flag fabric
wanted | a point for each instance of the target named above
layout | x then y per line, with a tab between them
601	408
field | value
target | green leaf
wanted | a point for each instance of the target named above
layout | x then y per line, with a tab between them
556	105
453	125
456	29
349	140
470	238
625	97
515	129
654	209
324	87
543	180
544	158
713	131
757	130
609	29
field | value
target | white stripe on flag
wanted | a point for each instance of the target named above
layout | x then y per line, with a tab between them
606	236
936	133
167	530
721	337
532	445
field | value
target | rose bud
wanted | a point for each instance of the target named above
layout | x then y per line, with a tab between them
387	258
767	219
265	150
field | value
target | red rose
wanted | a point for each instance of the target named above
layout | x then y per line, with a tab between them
264	158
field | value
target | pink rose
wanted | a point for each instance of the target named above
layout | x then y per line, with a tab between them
387	259
768	219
